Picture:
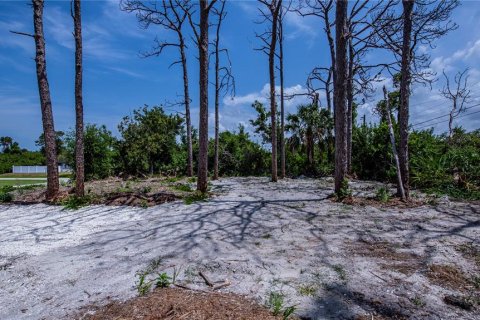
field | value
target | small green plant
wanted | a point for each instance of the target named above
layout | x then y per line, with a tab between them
163	280
144	204
194	197
340	271
146	189
382	195
288	312
73	202
276	302
192	179
5	197
143	285
172	179
418	301
308	290
345	191
182	187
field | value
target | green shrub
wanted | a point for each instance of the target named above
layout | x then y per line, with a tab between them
73	202
382	194
195	197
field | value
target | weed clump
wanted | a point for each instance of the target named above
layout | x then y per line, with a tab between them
195	197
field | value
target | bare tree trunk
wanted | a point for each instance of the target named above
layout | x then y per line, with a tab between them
327	92
340	109
188	121
403	110
273	105
217	94
79	143
282	102
203	82
350	105
45	103
450	121
394	145
217	120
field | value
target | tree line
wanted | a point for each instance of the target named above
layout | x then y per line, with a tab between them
353	30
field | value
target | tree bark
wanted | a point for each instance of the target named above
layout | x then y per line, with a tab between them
403	110
340	80
282	102
394	145
203	82
217	95
271	69
186	94
79	143
45	103
350	105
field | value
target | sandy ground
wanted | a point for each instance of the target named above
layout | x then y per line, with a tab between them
262	237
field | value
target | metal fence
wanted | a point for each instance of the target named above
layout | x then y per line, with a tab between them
38	169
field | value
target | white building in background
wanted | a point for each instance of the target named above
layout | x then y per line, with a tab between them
39	169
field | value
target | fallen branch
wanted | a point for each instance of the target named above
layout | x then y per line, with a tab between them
207	280
222	285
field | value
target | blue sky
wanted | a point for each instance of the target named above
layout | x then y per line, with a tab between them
117	80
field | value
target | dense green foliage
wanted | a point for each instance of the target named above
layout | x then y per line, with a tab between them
154	142
13	155
149	141
99	149
239	156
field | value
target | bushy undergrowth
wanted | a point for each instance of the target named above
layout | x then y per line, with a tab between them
5	194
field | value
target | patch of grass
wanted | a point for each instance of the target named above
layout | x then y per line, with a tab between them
340	270
308	290
182	187
195	197
73	202
417	300
14	182
455	192
143	285
172	179
192	179
276	302
382	195
146	189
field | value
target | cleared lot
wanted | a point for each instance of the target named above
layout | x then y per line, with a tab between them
331	260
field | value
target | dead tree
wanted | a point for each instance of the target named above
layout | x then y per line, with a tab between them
200	31
361	16
269	40
421	23
281	17
79	134
224	80
458	94
394	145
340	76
171	15
53	184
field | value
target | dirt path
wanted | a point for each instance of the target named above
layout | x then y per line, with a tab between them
330	260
